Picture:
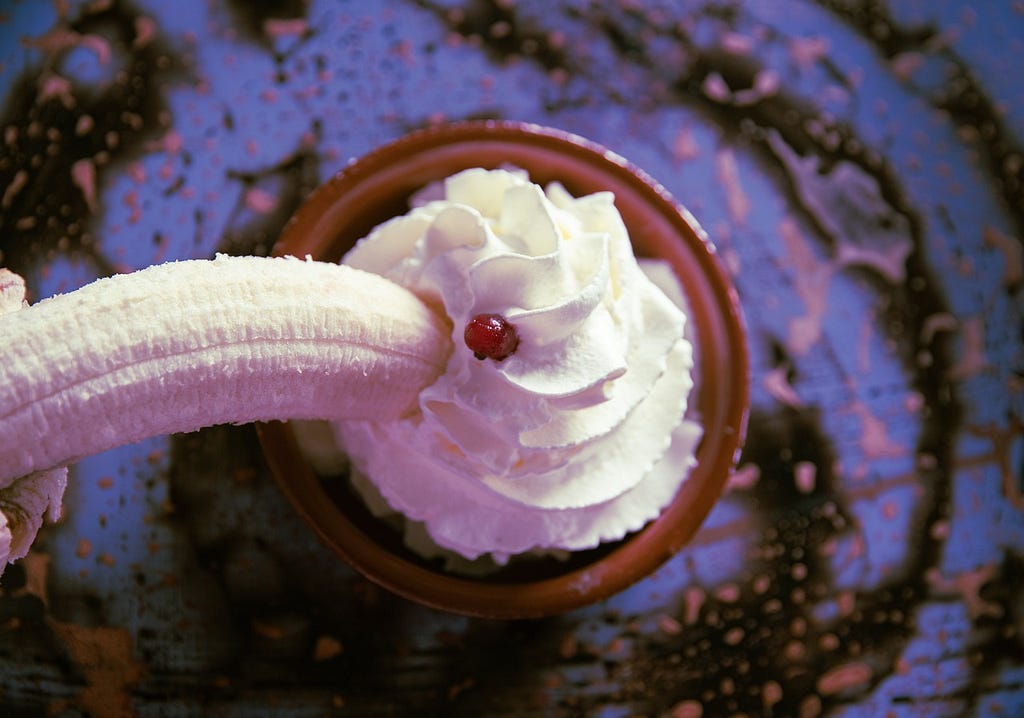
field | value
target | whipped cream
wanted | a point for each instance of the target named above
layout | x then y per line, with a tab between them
581	435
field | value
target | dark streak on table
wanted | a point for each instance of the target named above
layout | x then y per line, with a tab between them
859	167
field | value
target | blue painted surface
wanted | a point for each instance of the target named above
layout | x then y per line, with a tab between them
890	586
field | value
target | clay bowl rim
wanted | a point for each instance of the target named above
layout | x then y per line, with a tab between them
404	165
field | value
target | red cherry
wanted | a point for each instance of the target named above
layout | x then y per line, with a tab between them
490	336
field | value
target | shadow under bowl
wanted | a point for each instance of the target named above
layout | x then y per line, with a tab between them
377	187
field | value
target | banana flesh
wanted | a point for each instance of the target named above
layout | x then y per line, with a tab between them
179	346
25	501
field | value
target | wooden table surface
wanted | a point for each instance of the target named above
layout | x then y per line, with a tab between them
858	165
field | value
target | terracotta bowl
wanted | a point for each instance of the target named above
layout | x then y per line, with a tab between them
376	187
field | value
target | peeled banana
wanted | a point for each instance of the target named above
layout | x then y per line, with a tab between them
175	347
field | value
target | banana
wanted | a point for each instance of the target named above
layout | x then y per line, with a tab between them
24	502
23	505
183	345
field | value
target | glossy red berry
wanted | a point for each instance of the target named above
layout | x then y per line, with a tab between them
490	336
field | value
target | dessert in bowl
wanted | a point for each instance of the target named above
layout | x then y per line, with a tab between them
601	542
513	393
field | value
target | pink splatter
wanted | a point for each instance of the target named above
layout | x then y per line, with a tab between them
715	87
973	360
766	83
968	585
805	476
811	278
17	184
137	172
687	709
805	51
171	143
145	31
728	593
776	383
669	625
728	173
744	478
275	28
53	86
905	64
693	600
684	146
131	200
873	235
874	438
737	43
1013	255
935	323
84	125
849	676
83	174
867	330
404	51
1003	440
260	201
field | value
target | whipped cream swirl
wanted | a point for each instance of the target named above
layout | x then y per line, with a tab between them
578	437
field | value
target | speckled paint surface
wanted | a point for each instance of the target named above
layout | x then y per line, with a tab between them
860	167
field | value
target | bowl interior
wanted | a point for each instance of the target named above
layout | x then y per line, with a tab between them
377	187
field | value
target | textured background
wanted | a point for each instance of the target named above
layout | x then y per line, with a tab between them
857	163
